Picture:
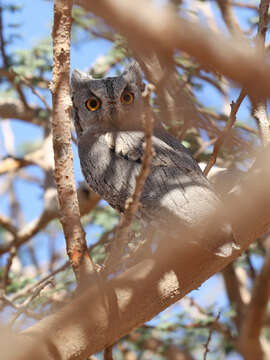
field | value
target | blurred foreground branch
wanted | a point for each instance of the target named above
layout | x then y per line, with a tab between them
152	285
163	31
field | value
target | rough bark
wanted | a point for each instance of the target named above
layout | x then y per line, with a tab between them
61	126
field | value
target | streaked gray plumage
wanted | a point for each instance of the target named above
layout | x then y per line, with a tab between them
110	149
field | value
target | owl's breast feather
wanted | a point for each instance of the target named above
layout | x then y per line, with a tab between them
111	164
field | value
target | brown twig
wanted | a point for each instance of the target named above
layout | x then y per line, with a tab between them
81	262
36	92
6	223
6	61
229	17
11	108
203	147
263	21
232	118
23	307
12	254
108	353
252	271
206	346
244	5
2	40
87	201
202	319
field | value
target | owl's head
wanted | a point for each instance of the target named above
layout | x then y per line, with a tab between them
108	104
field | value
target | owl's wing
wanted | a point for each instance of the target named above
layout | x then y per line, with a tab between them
175	176
176	191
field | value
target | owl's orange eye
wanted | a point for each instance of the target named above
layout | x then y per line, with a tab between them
93	104
127	98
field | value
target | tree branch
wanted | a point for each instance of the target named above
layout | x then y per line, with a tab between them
87	202
255	316
229	17
14	109
163	31
260	104
61	125
155	283
232	118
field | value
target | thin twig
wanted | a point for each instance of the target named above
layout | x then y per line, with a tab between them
229	17
108	353
12	254
4	300
243	5
2	40
6	223
203	147
7	63
36	92
31	287
23	307
210	336
232	118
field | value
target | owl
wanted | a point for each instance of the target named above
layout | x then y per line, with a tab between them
107	114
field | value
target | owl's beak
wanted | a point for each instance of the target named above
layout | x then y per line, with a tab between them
113	118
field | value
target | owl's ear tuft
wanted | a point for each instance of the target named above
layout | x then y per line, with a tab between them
133	73
78	78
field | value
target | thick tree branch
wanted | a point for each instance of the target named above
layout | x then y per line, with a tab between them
255	316
64	176
233	288
155	283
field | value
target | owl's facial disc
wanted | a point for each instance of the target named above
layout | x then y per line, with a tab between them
108	104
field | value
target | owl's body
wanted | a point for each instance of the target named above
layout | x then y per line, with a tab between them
110	142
